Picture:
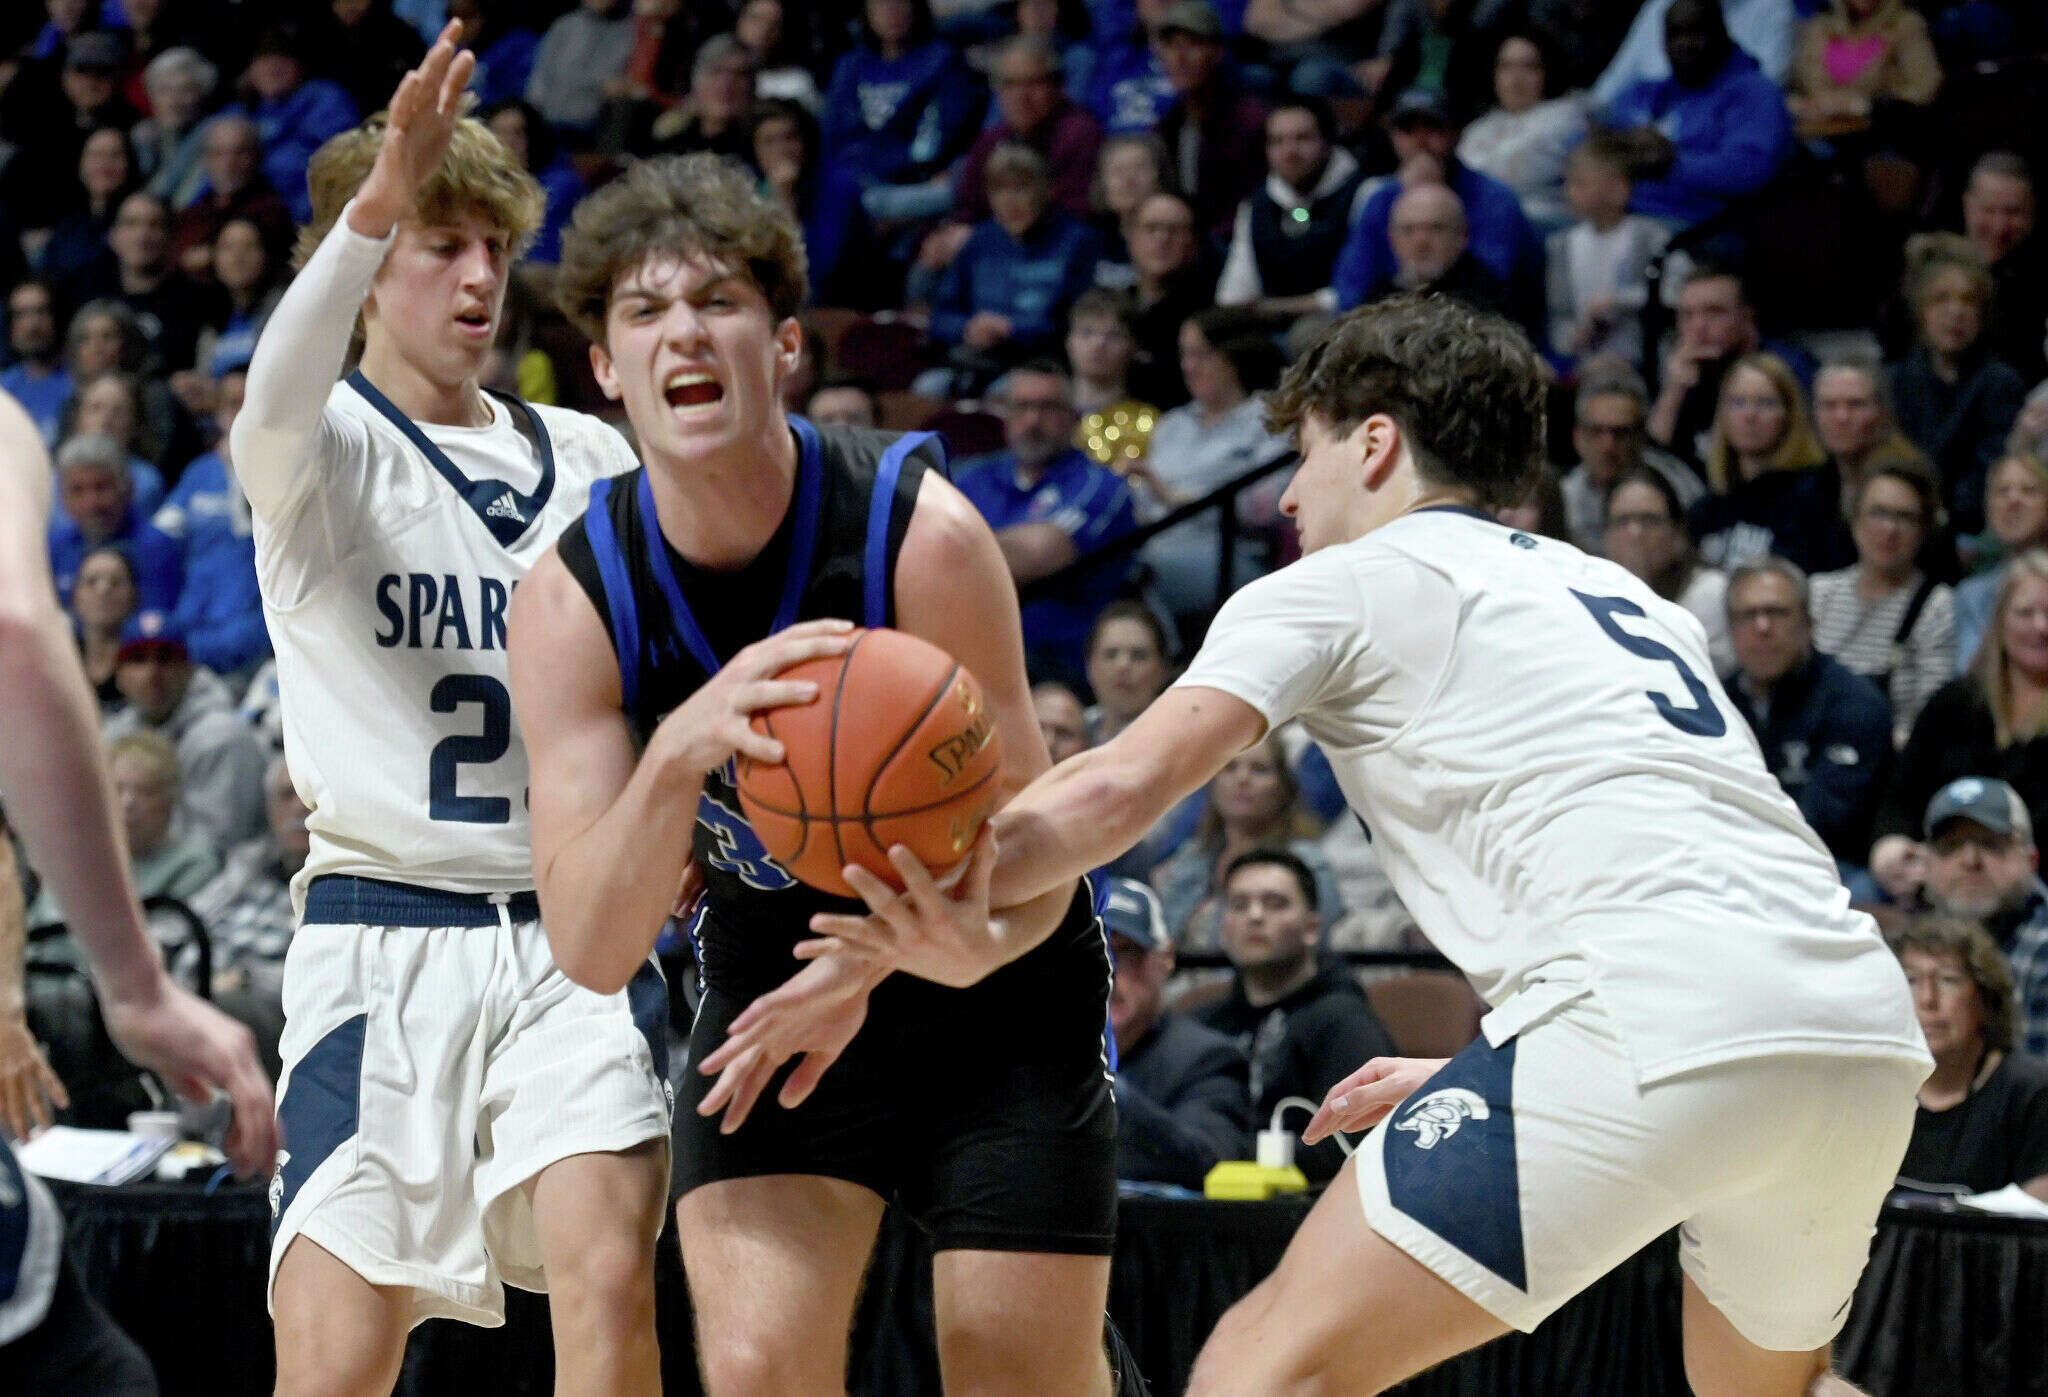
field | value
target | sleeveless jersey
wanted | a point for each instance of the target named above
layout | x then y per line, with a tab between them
385	586
672	626
1561	793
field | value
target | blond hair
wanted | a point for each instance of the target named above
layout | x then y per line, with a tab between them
1992	666
1796	449
477	173
680	205
1928	255
152	749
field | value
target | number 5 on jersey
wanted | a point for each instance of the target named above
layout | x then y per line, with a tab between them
1704	718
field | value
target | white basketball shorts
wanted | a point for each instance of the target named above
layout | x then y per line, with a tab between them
1523	1173
432	1071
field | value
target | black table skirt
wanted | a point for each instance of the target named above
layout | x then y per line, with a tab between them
1952	1306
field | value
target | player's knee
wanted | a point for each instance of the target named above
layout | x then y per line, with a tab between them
610	1277
745	1365
354	1372
1219	1366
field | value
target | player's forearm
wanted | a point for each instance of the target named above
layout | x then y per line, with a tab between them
299	358
1082	813
54	781
13	932
605	895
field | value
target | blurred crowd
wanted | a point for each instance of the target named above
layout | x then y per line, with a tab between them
1781	257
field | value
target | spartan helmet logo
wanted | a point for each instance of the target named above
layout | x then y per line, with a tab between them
1437	1116
284	1157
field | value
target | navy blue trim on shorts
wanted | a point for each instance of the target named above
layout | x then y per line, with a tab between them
1450	1159
620	599
647	995
340	900
319	1110
15	1210
874	569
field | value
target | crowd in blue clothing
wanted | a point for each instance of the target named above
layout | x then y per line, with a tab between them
1110	222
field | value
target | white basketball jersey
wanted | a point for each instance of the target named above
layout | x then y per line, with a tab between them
385	584
1560	791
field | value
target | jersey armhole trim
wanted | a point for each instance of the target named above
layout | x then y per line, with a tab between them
875	579
619	600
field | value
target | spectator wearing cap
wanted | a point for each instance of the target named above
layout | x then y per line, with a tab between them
168	855
1983	1118
37	378
1214	131
247	910
1183	1097
220	610
1286	236
1306	1025
97	506
235	187
294	114
1826	733
1716	129
1005	297
1607	433
1990	722
1049	504
220	767
580	56
1499	234
91	100
1980	863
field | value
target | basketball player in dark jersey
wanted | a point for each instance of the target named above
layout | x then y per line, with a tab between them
639	649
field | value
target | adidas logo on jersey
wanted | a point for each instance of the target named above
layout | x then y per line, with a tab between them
505	507
1437	1116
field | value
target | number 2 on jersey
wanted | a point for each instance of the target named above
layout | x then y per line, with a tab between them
1704	718
443	803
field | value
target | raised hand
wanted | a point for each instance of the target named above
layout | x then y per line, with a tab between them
418	125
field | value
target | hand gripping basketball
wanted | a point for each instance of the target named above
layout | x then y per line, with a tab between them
715	723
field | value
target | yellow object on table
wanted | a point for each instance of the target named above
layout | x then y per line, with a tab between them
1243	1180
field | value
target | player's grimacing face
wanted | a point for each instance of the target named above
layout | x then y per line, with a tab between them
439	294
694	351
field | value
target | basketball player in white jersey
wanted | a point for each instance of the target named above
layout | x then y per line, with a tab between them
1689	1027
52	1338
456	1113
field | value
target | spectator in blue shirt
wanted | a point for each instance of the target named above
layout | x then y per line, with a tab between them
1129	90
1049	504
294	114
97	500
1005	297
1718	127
902	105
37	377
1826	733
219	611
1497	232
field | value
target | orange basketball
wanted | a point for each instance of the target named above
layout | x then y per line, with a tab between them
899	747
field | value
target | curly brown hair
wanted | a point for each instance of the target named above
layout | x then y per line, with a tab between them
1465	386
681	205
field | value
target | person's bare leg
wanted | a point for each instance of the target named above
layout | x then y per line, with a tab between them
1719	1362
775	1266
1020	1322
337	1335
1346	1312
598	1217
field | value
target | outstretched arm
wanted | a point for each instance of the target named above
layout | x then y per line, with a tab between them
305	343
55	784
